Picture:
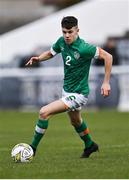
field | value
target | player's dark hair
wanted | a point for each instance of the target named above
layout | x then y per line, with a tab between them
68	22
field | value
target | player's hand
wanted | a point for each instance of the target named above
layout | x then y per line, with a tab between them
32	60
105	89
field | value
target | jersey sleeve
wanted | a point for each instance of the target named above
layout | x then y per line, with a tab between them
90	51
55	49
97	53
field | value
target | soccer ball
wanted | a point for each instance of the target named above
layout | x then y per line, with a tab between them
22	153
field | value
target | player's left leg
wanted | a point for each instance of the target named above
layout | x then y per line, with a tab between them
80	127
83	131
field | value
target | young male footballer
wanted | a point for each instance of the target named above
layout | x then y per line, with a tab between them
77	55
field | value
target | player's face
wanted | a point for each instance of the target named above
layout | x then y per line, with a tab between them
70	35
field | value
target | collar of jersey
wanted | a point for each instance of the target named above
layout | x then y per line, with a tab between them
75	42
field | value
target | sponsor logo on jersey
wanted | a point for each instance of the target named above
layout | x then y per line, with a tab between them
62	48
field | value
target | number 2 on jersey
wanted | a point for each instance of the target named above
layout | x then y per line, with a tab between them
68	59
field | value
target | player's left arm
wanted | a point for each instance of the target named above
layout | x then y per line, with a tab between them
108	59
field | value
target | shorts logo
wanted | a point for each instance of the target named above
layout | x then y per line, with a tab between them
72	97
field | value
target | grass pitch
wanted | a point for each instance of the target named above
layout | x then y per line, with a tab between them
58	155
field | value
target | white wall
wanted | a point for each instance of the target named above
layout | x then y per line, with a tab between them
98	19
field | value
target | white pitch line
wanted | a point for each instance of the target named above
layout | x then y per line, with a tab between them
116	146
101	147
4	149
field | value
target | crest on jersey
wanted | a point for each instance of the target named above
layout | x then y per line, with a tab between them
76	55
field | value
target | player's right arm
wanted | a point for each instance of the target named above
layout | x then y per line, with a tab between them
55	49
43	57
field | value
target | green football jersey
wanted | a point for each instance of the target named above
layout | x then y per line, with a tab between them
77	60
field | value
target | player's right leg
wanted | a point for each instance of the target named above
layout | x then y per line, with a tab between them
42	123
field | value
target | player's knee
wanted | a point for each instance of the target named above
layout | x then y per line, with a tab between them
43	113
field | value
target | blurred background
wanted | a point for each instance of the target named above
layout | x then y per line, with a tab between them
29	27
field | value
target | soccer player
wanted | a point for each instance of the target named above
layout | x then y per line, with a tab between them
77	55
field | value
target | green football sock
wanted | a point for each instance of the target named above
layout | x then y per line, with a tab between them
40	129
83	132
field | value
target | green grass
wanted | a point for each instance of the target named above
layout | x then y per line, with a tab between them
58	154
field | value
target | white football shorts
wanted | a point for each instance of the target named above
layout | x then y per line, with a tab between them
74	101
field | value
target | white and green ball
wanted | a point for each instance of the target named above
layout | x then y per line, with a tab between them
22	152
